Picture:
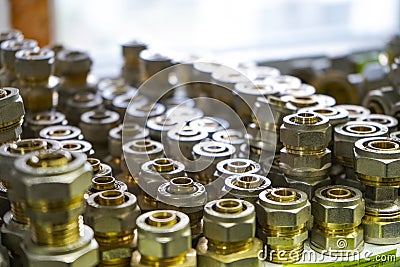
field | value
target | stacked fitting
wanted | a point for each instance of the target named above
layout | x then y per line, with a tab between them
229	235
7	55
209	124
282	214
104	183
172	227
187	196
36	122
245	186
153	174
11	114
305	160
135	153
51	185
95	126
377	165
33	68
345	136
317	100
338	211
131	69
73	66
16	222
112	215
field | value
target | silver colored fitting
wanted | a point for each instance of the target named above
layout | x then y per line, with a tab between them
61	133
139	113
121	102
131	69
11	114
303	90
80	103
160	125
112	88
283	82
385	100
336	115
233	137
78	146
355	112
209	124
386	120
246	186
38	121
317	100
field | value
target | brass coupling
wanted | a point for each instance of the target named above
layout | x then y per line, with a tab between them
130	98
110	89
305	160
151	62
104	183
187	196
246	186
99	168
229	167
8	49
78	146
38	121
384	100
61	133
355	111
79	103
282	214
338	211
160	125
233	137
112	215
131	67
335	115
73	66
54	207
386	120
209	124
229	235
207	155
11	114
153	174
173	228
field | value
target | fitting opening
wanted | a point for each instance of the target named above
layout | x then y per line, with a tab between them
248	182
360	129
111	198
338	193
283	195
162	219
228	206
27	146
163	165
181	185
102	183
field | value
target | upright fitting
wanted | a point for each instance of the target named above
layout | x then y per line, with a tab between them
131	69
377	166
245	186
229	235
172	227
54	207
11	114
10	34
79	103
338	211
33	68
112	215
282	214
305	160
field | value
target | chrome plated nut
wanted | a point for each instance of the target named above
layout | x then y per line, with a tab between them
61	132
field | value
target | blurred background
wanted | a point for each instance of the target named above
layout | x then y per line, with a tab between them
261	30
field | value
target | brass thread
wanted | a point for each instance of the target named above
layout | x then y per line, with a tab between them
377	180
112	240
47	234
102	183
381	217
224	248
248	182
55	206
284	255
165	262
18	213
163	165
111	198
162	219
338	230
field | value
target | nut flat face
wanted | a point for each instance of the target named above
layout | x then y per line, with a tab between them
376	161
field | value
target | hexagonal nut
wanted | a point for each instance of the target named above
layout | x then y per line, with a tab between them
163	233
337	204
104	218
381	233
308	187
52	176
283	207
248	258
378	157
86	254
317	161
222	226
287	241
307	130
11	106
351	241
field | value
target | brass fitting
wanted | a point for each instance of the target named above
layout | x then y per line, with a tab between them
33	68
112	215
336	115
54	207
173	228
187	196
7	54
99	168
10	34
317	100
209	124
208	154
132	99
283	82
135	154
61	133
153	174
377	166
140	113
103	183
81	102
234	137
246	186
11	114
38	121
202	71
95	126
229	235
246	94
385	120
355	111
235	166
283	214
385	100
16	222
78	146
347	134
152	62
111	88
305	160
303	90
131	69
338	211
159	126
